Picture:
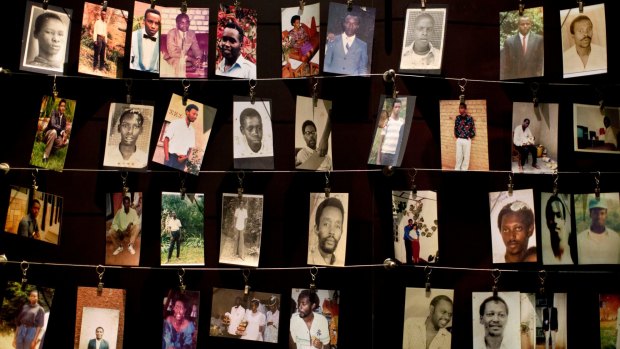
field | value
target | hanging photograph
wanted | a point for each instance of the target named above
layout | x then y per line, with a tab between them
102	43
464	140
242	227
180	313
392	130
521	44
45	41
184	135
543	321
584	41
99	317
428	318
53	132
235	54
252	134
597	224
184	43
496	320
513	226
609	320
123	239
327	235
596	131
145	39
559	242
534	138
34	215
348	48
235	314
314	318
416	237
313	135
24	315
128	137
423	40
182	229
301	41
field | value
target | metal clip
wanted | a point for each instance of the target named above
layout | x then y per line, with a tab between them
580	3
3	259
349	5
313	273
252	92
389	264
4	167
390	76
128	83
302	3
555	182
183	190
423	4
184	6
100	269
124	176
153	4
24	265
462	84
186	85
315	98
240	177
414	187
534	86
35	187
521	8
104	5
328	190
495	274
597	185
542	276
246	277
510	184
427	285
181	273
54	90
45	3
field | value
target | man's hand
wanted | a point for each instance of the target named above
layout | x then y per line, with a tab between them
128	229
330	37
316	343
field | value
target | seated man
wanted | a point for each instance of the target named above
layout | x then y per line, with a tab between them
524	142
55	134
126	222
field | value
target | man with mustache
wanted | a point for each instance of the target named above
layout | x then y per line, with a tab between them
493	316
127	154
430	333
516	225
233	63
328	228
584	56
308	329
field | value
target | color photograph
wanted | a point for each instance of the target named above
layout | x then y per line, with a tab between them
252	134
392	130
521	44
34	215
423	40
182	229
543	321
99	328
416	237
313	135
534	138
242	227
609	319
596	131
180	313
558	240
235	54
96	312
597	224
584	41
145	38
301	41
123	228
428	318
327	235
496	320
128	137
317	310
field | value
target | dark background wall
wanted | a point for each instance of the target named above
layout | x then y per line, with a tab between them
371	298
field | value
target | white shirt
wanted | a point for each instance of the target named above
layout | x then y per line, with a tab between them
479	343
597	61
429	60
114	158
148	46
301	335
610	136
242	68
523	137
243	150
101	28
173	224
601	248
182	137
315	258
306	153
236	315
347	40
241	214
392	133
97	343
255	320
414	336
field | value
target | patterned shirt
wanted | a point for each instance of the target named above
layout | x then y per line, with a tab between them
464	127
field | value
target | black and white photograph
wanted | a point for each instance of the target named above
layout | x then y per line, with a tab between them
99	328
428	318
180	313
252	134
128	136
34	215
596	131
534	138
392	130
242	226
123	237
318	310
597	222
521	44
423	40
543	321
327	235
513	226
415	229
182	229
301	40
496	320
584	41
45	40
558	240
313	136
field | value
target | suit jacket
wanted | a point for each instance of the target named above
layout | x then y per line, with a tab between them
136	53
56	122
514	65
355	62
550	319
92	344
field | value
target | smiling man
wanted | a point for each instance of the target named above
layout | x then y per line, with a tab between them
98	342
516	225
127	154
329	220
233	63
493	316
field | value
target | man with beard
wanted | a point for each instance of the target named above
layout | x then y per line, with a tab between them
127	154
328	228
180	139
584	56
233	63
145	43
555	214
308	329
598	244
178	331
493	316
430	333
28	226
310	153
98	342
516	225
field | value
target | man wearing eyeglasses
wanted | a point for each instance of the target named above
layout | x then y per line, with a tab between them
309	157
126	154
145	43
233	64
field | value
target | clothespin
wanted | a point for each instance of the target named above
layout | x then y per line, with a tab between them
104	5
246	277
521	8
54	90
495	274
555	182
35	186
153	4
597	185
427	285
240	177
542	276
313	273
252	90
184	6
45	3
128	83
124	176
183	190
181	273
100	269
580	3
534	87
24	265
327	188
390	76
315	98
423	4
414	187
462	84
302	3
510	184
349	5
186	84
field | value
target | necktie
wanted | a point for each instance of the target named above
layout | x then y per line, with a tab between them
146	36
524	45
347	48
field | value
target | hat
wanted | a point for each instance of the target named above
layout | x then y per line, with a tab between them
596	203
254	300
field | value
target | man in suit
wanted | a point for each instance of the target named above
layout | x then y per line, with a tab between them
98	342
145	43
523	53
550	325
56	130
345	53
182	46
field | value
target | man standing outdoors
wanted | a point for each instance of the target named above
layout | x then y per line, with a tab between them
126	222
98	342
464	131
237	312
173	226
346	53
308	329
421	54
55	132
310	151
180	139
391	134
145	43
100	37
584	56
329	220
233	63
127	154
516	225
29	321
28	226
523	53
556	218
180	42
524	142
598	244
493	316
430	333
241	218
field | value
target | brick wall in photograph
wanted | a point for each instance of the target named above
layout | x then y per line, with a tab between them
479	158
199	19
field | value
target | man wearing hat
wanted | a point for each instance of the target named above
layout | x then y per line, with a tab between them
598	244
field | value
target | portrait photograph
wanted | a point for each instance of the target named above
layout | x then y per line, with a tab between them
327	233
45	40
558	240
184	135
321	309
464	140
184	43
34	215
423	40
496	320
313	135
145	37
534	138
521	44
609	316
584	41
415	229
180	315
128	137
53	132
543	321
596	131
254	316
182	229
597	223
242	228
102	43
24	315
236	41
252	134
392	130
348	43
301	41
123	227
96	312
428	310
513	226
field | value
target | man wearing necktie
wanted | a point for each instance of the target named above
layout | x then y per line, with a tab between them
181	43
523	53
145	43
28	226
346	53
